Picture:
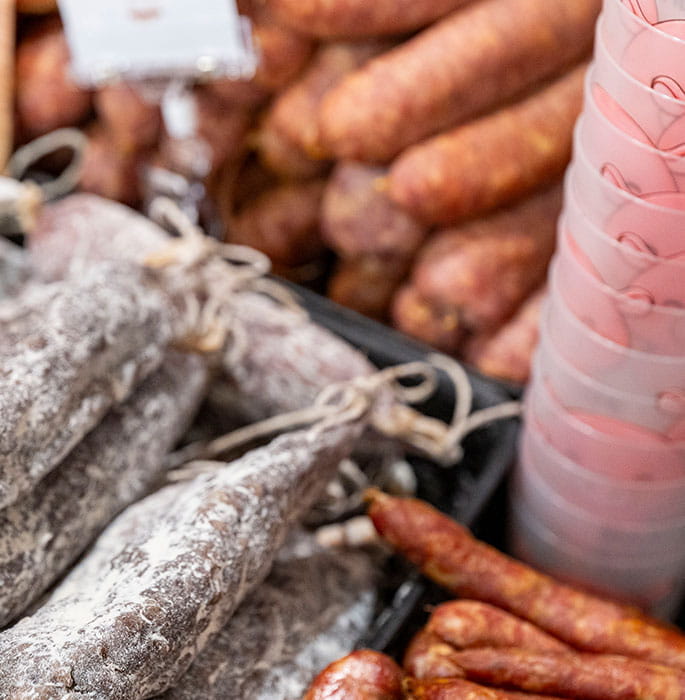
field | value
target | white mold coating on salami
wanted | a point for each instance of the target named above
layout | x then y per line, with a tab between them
288	359
116	463
309	612
14	268
135	630
68	352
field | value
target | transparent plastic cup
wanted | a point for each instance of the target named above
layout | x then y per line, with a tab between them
656	589
586	394
615	365
625	260
660	115
648	40
657	501
635	316
601	444
654	221
613	139
594	531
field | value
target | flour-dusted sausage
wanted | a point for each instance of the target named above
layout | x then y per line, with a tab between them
46	530
69	351
146	616
473	60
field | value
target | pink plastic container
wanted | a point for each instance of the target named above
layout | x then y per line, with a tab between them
654	222
660	114
625	260
656	588
613	364
600	444
649	45
654	502
586	394
595	532
613	139
635	316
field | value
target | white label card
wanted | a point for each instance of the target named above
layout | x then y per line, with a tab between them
156	39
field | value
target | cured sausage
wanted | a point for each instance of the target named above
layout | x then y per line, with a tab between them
357	18
69	352
362	675
282	222
458	689
471	623
46	96
359	219
471	61
485	269
288	139
165	594
507	352
448	553
115	464
429	656
573	675
491	161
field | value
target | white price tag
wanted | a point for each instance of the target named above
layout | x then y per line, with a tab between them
156	39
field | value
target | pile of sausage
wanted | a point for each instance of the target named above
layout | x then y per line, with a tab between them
513	633
405	154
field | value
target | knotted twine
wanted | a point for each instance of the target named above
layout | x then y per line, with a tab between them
205	277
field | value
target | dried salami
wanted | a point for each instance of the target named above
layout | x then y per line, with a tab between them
310	611
141	623
69	351
44	532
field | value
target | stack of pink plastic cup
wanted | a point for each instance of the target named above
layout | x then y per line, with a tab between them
598	494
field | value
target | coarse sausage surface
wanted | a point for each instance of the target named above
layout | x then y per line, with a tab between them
459	689
359	18
573	675
485	268
448	553
361	675
491	161
471	623
473	60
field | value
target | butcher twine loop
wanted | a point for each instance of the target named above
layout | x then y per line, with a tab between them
26	156
205	275
351	401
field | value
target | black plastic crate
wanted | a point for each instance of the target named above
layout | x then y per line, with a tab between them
474	492
471	492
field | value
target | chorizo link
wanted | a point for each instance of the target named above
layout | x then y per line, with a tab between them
485	268
448	553
469	62
359	18
429	656
491	161
573	675
137	628
459	689
288	139
471	623
361	675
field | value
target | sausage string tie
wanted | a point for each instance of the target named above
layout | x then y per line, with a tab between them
362	398
20	201
203	277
